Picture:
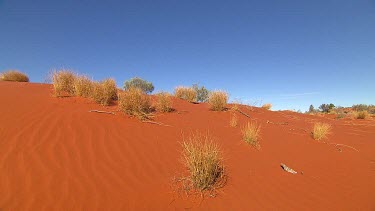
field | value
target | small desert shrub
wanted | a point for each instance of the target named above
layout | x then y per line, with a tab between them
203	160
250	134
104	92
163	102
14	75
202	93
83	86
233	120
361	114
135	102
145	86
63	82
186	93
321	130
267	106
218	100
340	115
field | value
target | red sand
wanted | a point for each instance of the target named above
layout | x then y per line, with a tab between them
55	155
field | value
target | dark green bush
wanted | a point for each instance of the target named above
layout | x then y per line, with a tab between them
138	83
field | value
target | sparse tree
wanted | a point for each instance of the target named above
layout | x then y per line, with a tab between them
202	93
311	109
145	86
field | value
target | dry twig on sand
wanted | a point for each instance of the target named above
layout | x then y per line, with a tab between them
337	145
243	113
105	112
157	123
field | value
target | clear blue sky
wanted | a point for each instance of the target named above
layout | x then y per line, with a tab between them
289	53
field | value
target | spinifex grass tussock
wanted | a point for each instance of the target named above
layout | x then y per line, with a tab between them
14	75
321	130
202	158
83	86
233	120
250	134
163	102
63	82
218	100
361	114
186	93
135	102
104	92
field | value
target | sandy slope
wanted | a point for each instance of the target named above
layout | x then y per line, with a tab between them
55	155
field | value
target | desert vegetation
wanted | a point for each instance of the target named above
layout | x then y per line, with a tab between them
135	102
14	75
267	106
63	82
202	93
202	158
321	130
104	92
250	134
361	114
218	100
83	86
146	86
186	93
163	102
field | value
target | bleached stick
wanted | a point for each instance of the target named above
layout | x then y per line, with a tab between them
106	112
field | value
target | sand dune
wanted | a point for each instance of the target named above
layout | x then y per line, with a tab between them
55	155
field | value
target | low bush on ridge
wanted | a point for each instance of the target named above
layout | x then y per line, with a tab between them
135	102
250	134
203	160
163	102
218	100
104	92
63	82
321	130
83	86
14	75
186	93
267	106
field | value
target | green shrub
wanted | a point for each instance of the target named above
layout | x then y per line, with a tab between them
202	93
145	86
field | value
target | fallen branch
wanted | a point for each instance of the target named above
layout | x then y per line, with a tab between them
106	112
287	169
336	145
241	112
157	123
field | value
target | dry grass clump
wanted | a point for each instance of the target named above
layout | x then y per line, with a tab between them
83	86
163	102
14	75
321	130
233	120
250	134
135	102
63	82
186	93
218	100
267	106
203	159
361	114
104	92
